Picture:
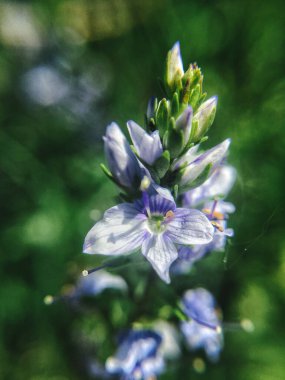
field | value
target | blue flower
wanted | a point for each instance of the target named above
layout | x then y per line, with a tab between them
153	224
203	330
148	146
123	164
96	283
138	356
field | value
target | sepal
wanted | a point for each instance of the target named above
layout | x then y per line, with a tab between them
162	164
162	116
175	139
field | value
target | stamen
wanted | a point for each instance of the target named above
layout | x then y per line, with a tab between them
213	207
145	197
145	183
86	272
169	214
245	325
218	329
48	299
199	365
218	226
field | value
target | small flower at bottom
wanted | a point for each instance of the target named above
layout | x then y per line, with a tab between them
154	224
138	356
97	282
203	330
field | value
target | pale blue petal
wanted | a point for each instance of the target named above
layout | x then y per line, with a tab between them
163	192
184	122
190	227
122	161
148	147
96	283
160	252
212	157
218	185
121	231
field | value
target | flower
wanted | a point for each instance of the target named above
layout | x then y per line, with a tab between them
137	357
122	162
154	224
96	283
197	168
148	147
204	328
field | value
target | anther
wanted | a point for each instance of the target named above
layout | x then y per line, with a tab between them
145	183
218	226
169	214
86	272
48	300
247	325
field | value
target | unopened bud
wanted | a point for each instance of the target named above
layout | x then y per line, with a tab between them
203	118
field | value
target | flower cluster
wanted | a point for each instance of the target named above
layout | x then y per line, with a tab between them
173	210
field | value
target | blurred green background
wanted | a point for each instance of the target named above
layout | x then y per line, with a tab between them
67	69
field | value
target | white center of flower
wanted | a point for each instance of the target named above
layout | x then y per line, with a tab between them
157	223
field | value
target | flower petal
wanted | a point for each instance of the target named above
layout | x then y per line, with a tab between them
184	122
160	252
211	157
122	161
190	227
218	185
149	147
121	231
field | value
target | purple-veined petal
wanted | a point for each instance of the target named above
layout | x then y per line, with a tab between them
190	227
122	161
204	116
218	185
149	147
121	231
184	122
187	158
212	157
162	191
160	252
96	283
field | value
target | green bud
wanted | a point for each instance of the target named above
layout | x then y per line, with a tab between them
175	105
161	165
195	96
194	75
175	139
174	69
162	115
